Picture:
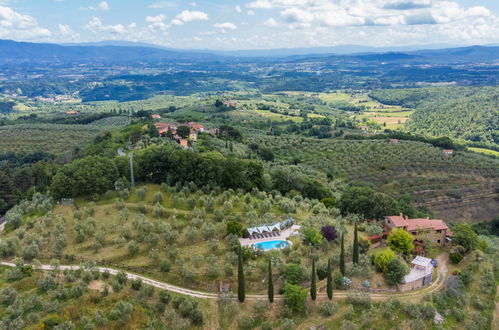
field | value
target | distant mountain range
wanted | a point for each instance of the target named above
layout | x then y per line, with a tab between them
25	52
122	52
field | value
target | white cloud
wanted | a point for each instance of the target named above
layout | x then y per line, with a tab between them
189	16
260	4
238	9
102	6
157	22
226	25
65	30
271	23
14	25
96	26
162	5
308	13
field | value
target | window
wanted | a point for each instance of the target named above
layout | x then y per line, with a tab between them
438	241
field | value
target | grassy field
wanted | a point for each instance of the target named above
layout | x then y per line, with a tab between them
485	151
278	117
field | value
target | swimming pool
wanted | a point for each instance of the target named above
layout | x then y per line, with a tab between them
270	245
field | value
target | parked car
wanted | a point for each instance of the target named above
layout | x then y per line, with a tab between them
434	262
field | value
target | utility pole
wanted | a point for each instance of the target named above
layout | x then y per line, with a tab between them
132	178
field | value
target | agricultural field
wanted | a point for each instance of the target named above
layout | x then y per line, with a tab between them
87	299
179	237
51	138
153	235
411	167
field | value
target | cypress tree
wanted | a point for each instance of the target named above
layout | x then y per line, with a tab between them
241	290
313	286
329	280
342	255
355	246
271	284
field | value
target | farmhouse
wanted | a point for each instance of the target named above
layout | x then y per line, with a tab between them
71	113
155	116
420	275
164	128
195	127
448	152
424	230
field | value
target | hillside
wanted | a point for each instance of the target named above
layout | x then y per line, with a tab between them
463	113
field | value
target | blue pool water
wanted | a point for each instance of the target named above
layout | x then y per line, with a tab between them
271	245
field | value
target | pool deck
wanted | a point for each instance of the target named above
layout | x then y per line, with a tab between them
285	235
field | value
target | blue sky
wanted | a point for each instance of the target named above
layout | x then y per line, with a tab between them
253	24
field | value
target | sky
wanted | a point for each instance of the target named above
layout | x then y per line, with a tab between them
253	24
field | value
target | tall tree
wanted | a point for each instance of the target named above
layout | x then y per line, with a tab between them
329	280
241	290
271	283
313	285
342	255
355	246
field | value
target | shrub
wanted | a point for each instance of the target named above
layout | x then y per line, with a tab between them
455	257
311	236
133	248
382	257
400	241
121	277
7	296
395	271
329	233
164	266
322	271
157	198
294	273
361	300
46	283
141	193
121	312
235	228
136	284
295	298
329	308
246	322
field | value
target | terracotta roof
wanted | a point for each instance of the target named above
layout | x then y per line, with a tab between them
415	224
418	224
398	220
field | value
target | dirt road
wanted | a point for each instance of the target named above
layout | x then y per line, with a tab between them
412	295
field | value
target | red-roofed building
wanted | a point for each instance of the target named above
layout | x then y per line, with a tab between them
425	230
184	143
195	127
164	128
155	116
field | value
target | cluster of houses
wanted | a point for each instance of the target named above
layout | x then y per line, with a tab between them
170	130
